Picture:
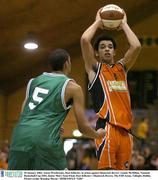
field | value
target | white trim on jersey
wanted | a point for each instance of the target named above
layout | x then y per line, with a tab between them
91	85
104	144
108	141
105	100
53	74
122	63
63	95
28	87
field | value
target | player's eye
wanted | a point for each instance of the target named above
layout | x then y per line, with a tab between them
102	46
110	46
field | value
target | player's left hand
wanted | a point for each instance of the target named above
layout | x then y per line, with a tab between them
124	21
101	133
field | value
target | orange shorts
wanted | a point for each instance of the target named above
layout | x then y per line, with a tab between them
114	151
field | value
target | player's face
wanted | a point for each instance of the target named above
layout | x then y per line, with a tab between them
106	51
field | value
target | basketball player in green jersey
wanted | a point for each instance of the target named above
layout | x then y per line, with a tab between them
36	143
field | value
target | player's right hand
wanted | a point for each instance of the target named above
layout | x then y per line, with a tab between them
101	133
98	14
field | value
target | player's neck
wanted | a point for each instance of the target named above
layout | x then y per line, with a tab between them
61	72
58	72
109	62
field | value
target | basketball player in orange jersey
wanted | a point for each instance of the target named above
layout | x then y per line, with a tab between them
110	94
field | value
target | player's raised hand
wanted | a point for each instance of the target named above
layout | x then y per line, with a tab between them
124	20
98	14
98	19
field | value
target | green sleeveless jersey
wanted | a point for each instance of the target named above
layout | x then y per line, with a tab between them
43	114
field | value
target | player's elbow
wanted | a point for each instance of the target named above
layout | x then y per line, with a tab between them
83	131
82	128
84	39
137	46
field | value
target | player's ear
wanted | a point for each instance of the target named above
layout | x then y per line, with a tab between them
65	65
96	53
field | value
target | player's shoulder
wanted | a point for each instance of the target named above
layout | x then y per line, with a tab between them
73	86
121	64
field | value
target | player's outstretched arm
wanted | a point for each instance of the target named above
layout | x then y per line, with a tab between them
135	46
74	91
86	46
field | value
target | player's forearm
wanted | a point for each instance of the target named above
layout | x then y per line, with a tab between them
90	32
88	131
131	37
84	127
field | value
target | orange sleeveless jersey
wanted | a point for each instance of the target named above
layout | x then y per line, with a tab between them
110	93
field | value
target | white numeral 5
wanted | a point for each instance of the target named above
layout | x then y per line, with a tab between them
36	98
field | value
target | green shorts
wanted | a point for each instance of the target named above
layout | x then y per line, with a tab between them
21	160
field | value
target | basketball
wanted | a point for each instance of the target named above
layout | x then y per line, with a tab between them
111	16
